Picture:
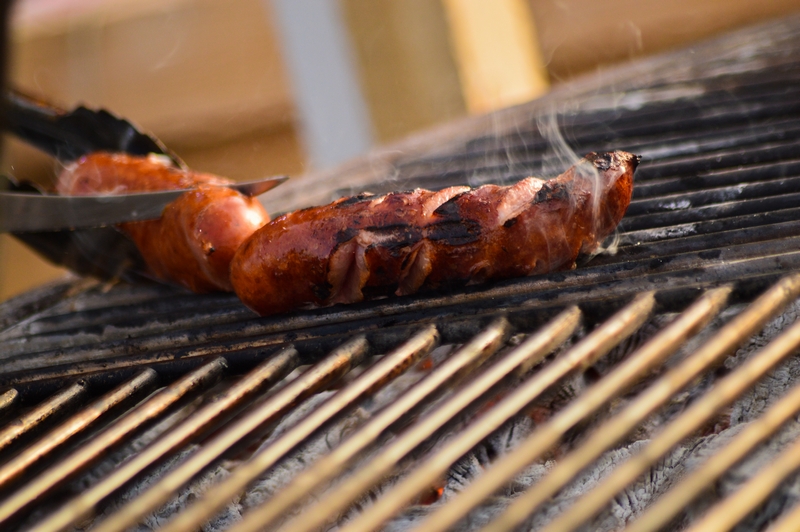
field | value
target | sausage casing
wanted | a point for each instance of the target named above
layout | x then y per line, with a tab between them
193	242
367	246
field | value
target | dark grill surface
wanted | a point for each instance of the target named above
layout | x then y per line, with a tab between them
715	205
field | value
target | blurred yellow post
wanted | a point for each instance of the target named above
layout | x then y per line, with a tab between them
497	52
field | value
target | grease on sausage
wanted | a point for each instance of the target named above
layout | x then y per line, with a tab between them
194	241
367	246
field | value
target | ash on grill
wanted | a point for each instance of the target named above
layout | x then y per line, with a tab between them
569	401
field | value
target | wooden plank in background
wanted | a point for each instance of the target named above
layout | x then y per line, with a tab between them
408	75
497	53
577	36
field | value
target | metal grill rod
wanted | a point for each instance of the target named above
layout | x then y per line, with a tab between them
704	137
262	377
698	414
747	323
790	522
504	166
664	343
8	399
651	120
531	352
375	377
311	381
456	367
14	469
508	466
58	404
727	177
725	515
691	486
94	449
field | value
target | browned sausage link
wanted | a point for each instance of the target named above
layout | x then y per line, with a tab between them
193	242
368	246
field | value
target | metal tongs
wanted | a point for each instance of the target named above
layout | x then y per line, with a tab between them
24	212
78	232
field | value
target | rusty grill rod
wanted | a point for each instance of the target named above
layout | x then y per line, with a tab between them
507	467
455	368
692	485
315	379
667	341
91	451
14	469
266	375
531	352
59	403
699	413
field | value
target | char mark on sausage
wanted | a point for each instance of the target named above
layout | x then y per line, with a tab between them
400	243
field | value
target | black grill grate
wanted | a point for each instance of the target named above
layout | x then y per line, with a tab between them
715	204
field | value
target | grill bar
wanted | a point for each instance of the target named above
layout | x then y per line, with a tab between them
503	471
315	379
27	306
439	380
11	471
691	486
684	156
94	449
691	321
7	400
725	515
58	404
693	419
715	203
266	375
529	353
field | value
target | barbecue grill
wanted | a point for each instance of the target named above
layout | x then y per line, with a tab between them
652	386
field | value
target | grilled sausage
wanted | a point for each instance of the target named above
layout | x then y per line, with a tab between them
193	242
367	246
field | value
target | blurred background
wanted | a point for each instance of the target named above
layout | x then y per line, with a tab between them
248	88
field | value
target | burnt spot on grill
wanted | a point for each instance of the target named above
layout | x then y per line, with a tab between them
364	196
710	254
551	190
322	291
